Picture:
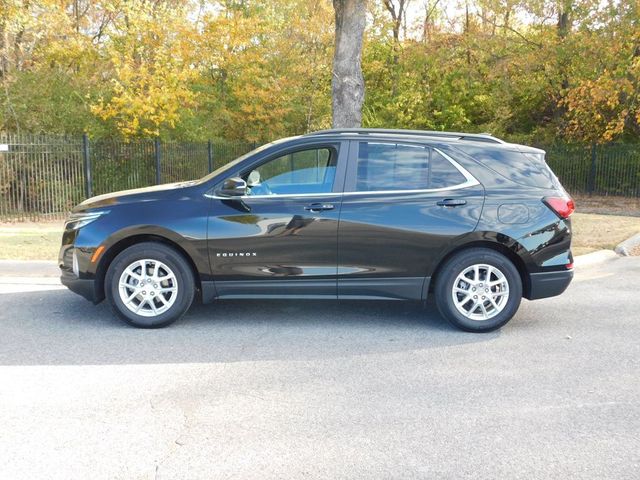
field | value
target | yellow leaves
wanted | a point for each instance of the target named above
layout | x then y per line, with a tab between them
151	60
598	109
261	69
269	65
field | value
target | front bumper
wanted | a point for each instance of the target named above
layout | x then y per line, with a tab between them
549	284
81	286
73	274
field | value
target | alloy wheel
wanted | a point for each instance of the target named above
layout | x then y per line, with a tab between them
480	292
148	287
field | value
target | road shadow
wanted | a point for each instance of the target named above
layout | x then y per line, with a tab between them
56	327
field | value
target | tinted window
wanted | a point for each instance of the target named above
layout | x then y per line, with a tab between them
443	173
516	166
306	171
389	166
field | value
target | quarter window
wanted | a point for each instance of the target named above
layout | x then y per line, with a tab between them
443	173
391	166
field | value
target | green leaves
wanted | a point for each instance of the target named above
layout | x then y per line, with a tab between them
259	69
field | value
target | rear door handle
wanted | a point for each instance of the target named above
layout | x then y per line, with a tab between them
318	207
452	202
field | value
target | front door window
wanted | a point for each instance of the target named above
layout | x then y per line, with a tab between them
300	172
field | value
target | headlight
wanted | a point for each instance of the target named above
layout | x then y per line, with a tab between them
79	220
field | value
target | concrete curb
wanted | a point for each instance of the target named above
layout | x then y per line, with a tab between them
594	258
624	248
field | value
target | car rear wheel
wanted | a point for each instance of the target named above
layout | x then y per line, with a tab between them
478	290
149	285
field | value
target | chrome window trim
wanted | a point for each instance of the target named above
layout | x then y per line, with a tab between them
471	181
284	195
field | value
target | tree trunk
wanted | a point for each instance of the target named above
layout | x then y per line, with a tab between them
564	19
4	61
348	83
564	28
466	30
397	17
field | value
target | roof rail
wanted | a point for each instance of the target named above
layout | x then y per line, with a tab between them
477	137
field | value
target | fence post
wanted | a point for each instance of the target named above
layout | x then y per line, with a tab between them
158	160
592	172
88	181
210	155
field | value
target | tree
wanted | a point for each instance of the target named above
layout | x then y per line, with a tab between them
348	82
265	70
149	54
397	13
256	70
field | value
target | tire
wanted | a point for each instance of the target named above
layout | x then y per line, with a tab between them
165	293
486	308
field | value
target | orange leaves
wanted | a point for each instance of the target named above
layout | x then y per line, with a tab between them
269	66
598	110
150	56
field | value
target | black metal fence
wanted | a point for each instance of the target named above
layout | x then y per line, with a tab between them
612	169
44	176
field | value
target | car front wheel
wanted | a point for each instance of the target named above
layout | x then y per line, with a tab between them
149	285
478	290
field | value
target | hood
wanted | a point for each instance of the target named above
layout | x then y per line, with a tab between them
146	194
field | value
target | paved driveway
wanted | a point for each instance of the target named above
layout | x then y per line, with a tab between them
255	390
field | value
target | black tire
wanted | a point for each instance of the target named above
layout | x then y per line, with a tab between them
178	266
455	266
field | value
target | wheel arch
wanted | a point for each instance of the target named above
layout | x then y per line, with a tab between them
128	241
508	249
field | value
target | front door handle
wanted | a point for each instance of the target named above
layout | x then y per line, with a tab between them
318	207
452	202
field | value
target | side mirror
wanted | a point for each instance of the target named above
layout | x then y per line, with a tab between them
233	187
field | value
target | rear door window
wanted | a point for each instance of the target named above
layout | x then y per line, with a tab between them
393	166
390	166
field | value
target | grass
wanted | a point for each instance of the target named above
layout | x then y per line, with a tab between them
593	232
41	241
30	241
608	205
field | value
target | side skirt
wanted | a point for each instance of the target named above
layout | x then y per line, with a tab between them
396	288
399	288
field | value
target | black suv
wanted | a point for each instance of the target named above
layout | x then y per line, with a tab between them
336	214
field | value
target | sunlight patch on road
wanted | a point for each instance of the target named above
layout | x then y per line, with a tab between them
582	277
10	285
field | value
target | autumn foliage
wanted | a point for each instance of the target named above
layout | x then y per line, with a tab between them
535	70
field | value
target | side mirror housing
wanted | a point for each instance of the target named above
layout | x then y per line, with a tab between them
232	187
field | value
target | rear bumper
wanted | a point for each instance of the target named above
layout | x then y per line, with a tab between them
549	284
81	286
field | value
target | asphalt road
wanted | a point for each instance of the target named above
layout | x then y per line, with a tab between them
259	390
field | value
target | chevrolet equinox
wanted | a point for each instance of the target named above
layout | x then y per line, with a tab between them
337	214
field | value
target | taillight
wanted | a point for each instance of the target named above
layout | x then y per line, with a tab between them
562	206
